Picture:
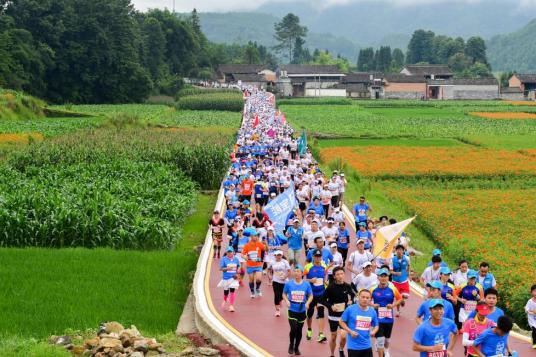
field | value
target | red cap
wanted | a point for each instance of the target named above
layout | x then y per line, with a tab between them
483	310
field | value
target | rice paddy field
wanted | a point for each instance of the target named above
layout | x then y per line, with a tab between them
101	215
466	168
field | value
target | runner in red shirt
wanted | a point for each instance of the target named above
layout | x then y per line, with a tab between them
253	253
246	189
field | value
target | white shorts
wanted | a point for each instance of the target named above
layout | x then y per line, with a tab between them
228	284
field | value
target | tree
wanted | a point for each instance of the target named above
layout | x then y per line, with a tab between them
398	60
459	62
420	47
155	48
365	60
479	70
301	54
251	54
383	59
475	49
286	33
196	23
323	57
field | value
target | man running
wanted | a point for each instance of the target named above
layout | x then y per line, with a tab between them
423	313
357	258
295	235
316	274
297	294
400	274
435	337
253	253
337	297
385	297
361	211
360	322
491	296
343	239
468	295
494	341
366	279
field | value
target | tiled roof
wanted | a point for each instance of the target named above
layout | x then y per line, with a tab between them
429	69
247	77
526	78
240	68
401	78
310	69
465	81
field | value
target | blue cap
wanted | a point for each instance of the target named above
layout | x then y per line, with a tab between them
435	285
250	231
471	274
445	271
245	202
435	302
230	250
382	271
362	224
299	267
436	252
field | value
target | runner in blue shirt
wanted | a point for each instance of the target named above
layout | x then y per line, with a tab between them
316	274
437	252
490	298
435	337
295	236
297	294
361	323
384	298
327	257
423	313
362	233
361	210
343	239
229	266
400	273
494	341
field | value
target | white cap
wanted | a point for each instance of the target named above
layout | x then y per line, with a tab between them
366	264
278	252
333	244
271	228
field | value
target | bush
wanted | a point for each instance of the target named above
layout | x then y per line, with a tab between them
16	105
213	101
191	90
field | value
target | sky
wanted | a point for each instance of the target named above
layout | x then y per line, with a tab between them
241	5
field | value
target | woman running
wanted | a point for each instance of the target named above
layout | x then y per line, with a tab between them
229	282
297	294
216	224
280	270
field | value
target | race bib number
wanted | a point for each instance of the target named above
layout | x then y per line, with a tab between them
338	307
297	296
318	282
385	313
258	195
281	275
442	353
231	268
470	306
363	323
343	240
253	256
362	212
216	229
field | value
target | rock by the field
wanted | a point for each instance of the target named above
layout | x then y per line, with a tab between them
110	342
153	345
114	335
187	352
140	345
207	351
113	326
152	353
60	340
78	350
92	342
136	354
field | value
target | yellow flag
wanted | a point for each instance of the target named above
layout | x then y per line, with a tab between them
386	238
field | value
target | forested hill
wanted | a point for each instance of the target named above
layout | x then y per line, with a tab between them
241	27
514	51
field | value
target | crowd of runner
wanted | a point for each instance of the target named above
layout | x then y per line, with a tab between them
305	262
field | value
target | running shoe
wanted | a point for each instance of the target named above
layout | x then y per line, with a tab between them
309	335
259	293
231	308
277	313
252	296
297	352
290	350
341	353
321	338
386	353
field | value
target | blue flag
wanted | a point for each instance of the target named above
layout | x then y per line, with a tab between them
279	208
302	143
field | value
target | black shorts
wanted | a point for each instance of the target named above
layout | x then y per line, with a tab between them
319	308
333	325
302	206
360	353
384	330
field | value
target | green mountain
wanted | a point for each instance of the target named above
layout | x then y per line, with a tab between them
514	51
241	27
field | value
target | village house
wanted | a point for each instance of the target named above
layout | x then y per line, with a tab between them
526	83
246	74
428	71
463	88
359	84
310	81
401	86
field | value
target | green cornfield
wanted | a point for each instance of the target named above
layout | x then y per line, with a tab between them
214	101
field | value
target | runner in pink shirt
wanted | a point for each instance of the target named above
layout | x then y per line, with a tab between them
473	327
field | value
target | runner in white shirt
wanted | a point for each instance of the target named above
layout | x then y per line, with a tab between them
337	260
313	233
338	216
357	258
342	187
459	277
330	231
333	187
281	270
366	279
431	273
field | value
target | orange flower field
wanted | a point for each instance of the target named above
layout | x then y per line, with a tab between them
20	138
504	115
498	226
395	161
